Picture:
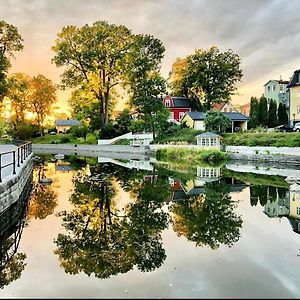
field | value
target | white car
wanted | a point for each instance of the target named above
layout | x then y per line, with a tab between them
297	127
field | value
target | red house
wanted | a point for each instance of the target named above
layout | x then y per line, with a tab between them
178	106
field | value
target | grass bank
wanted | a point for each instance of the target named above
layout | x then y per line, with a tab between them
191	156
65	138
272	139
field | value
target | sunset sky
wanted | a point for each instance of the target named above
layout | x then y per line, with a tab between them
264	33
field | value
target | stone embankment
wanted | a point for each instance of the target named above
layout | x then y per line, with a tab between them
286	155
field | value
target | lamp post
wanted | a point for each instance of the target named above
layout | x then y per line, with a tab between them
294	121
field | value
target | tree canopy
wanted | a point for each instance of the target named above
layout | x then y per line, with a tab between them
206	76
101	57
10	41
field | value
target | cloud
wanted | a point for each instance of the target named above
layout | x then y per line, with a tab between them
264	33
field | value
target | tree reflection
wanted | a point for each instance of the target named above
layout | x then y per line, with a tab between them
13	269
208	219
264	193
44	198
104	240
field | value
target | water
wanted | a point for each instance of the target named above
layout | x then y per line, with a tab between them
102	230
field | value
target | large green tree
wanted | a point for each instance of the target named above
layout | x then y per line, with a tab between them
10	41
147	99
102	58
206	76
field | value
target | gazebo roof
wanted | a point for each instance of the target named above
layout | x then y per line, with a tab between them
207	134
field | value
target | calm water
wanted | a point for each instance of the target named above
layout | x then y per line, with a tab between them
106	230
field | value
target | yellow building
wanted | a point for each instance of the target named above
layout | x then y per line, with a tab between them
294	98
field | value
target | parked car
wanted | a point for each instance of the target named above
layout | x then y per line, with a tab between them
297	127
284	128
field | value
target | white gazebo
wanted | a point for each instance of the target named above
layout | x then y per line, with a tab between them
209	140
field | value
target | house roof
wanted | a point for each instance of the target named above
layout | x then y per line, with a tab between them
278	81
233	116
67	122
208	134
181	102
295	81
196	115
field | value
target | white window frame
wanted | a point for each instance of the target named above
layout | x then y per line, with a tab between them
168	103
181	114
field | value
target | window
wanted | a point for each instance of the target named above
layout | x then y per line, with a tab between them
269	89
225	109
181	114
168	103
213	141
274	88
298	210
298	109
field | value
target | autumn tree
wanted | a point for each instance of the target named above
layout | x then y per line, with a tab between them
206	76
19	95
42	96
101	57
10	41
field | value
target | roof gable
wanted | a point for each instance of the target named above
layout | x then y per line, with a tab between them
295	81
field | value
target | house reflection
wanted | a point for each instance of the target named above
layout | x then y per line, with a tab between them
183	190
286	205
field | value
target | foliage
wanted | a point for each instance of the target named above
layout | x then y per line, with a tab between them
208	76
208	219
176	134
19	95
10	41
263	111
216	121
100	57
24	131
213	157
282	114
272	114
124	120
42	96
276	139
254	113
147	90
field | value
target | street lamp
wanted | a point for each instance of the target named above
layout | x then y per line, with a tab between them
294	116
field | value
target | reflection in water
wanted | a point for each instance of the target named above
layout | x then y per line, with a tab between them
208	219
44	198
12	223
105	240
279	202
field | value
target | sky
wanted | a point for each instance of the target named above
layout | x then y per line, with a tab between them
264	33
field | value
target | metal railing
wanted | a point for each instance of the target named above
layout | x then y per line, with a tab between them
18	156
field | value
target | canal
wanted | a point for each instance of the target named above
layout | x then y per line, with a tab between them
106	228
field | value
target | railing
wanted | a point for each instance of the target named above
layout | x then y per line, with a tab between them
18	156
